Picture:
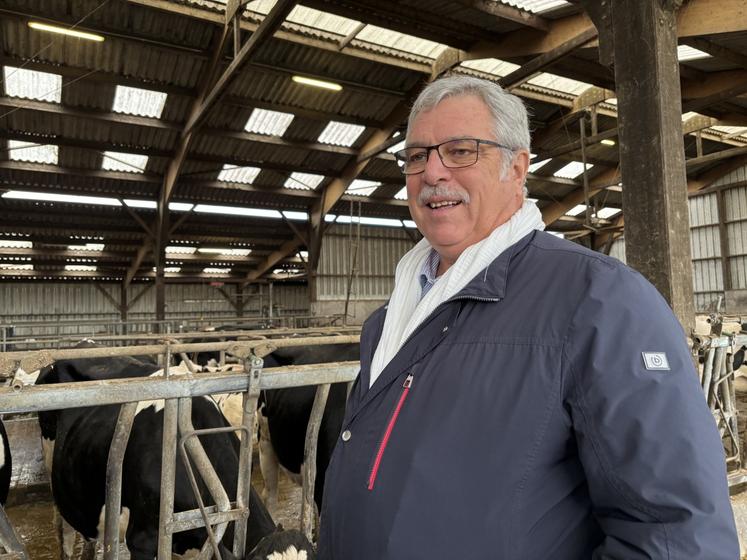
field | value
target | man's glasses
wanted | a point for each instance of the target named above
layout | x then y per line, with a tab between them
454	153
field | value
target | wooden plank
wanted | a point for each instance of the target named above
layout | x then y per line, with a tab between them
507	12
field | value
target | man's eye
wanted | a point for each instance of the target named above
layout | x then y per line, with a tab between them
416	157
461	152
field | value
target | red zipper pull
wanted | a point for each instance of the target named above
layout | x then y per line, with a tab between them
408	382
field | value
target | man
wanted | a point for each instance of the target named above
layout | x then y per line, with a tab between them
520	397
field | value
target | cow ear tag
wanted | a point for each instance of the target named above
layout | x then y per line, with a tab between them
655	361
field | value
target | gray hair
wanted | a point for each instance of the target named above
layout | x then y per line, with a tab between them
510	117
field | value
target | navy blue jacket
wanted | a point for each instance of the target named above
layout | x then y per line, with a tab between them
521	421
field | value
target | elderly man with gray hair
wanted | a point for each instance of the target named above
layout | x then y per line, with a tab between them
520	397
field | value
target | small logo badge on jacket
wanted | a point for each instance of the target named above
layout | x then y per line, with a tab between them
655	360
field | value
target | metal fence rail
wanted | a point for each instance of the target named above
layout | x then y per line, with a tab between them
177	391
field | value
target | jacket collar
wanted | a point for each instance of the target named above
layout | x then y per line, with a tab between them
491	282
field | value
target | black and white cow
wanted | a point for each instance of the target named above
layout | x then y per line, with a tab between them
82	437
284	417
6	464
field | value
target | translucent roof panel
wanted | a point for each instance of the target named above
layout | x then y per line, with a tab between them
273	123
87	247
319	20
493	66
214	270
298	216
306	181
15	244
132	203
14	266
536	6
80	268
31	84
181	249
361	187
397	147
400	41
410	224
576	210
572	170
235	174
341	134
136	101
120	161
30	151
606	213
402	194
559	83
685	53
366	221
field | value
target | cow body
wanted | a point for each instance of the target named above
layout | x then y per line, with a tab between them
285	417
82	438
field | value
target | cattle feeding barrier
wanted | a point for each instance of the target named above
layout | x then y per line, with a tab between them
177	390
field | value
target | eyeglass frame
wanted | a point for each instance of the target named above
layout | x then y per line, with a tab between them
401	161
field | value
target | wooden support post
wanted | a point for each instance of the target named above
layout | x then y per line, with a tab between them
240	301
652	159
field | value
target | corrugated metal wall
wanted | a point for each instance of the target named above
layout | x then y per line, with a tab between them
379	250
20	302
705	246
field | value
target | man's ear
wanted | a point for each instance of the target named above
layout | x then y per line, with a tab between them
519	167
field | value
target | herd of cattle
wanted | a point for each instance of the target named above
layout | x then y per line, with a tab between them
76	446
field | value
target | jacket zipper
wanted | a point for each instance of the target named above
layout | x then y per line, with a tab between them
390	426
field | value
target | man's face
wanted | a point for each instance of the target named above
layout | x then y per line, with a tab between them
492	200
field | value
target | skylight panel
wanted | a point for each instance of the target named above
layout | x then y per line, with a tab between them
400	41
606	213
87	247
559	83
51	197
331	23
361	187
397	147
237	211
402	194
181	249
341	134
33	152
492	66
136	101
168	269
15	244
120	161
303	254
572	170
576	210
80	268
274	123
535	166
297	216
557	234
16	266
410	224
32	84
330	217
686	53
235	174
215	270
305	181
537	6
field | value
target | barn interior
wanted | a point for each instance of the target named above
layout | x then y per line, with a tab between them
172	166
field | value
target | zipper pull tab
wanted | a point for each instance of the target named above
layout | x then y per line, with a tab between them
408	382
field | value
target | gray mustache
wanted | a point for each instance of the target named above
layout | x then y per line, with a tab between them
428	192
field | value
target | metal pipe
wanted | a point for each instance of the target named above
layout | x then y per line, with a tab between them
719	368
308	472
9	539
253	365
191	447
117	391
168	479
114	466
708	371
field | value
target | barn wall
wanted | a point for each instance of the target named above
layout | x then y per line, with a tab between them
68	301
378	252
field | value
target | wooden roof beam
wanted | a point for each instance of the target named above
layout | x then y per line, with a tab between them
509	13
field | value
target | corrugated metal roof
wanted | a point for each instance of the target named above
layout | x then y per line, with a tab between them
536	6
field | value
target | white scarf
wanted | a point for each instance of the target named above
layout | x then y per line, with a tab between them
406	311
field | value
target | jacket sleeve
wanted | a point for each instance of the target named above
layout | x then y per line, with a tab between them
649	446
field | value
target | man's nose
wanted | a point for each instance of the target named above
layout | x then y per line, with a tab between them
435	170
